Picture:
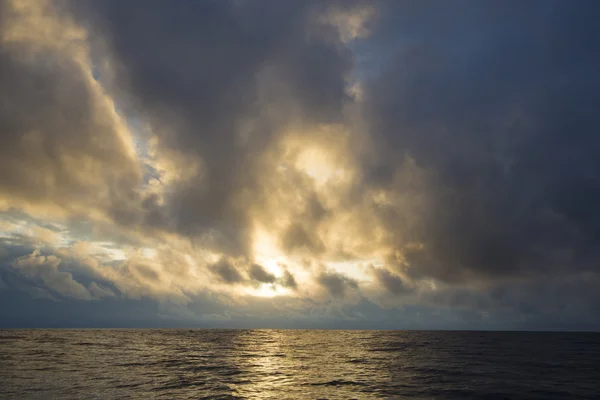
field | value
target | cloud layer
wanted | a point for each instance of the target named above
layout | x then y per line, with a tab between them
299	163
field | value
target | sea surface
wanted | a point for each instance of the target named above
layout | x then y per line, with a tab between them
297	364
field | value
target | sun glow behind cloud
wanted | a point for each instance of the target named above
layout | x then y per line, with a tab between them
316	164
289	159
267	290
266	251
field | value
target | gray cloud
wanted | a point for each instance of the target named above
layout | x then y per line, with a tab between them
393	283
158	124
336	284
45	268
226	271
260	274
503	120
297	239
288	280
99	291
205	99
61	140
148	273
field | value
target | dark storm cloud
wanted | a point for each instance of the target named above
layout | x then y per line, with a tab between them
202	71
260	274
336	284
13	248
288	280
227	272
499	100
28	312
393	283
565	301
43	273
483	186
53	117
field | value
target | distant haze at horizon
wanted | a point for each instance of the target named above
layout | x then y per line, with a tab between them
338	164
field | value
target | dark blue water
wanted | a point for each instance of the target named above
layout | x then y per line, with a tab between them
295	364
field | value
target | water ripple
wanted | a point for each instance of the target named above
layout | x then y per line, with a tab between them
287	364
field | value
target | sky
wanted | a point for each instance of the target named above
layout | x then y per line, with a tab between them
300	164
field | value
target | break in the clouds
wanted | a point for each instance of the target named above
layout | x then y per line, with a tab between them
396	164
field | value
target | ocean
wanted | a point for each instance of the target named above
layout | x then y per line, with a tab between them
297	364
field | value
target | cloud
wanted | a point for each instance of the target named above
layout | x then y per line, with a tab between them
260	274
288	280
45	268
336	284
99	292
296	238
205	101
63	146
509	152
393	283
356	159
351	22
227	272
